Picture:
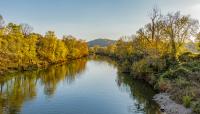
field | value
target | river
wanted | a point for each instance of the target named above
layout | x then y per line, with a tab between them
85	86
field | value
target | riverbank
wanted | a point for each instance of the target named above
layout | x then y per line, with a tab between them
30	67
180	81
168	106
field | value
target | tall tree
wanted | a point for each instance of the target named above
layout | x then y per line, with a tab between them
178	28
155	17
61	51
47	46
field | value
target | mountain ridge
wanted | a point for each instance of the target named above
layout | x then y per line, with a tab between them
102	42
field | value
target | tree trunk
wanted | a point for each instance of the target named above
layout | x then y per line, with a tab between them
173	50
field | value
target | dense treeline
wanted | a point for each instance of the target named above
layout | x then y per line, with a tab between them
22	49
158	54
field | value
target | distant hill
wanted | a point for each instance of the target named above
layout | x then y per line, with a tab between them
101	42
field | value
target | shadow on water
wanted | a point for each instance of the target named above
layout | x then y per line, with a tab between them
18	88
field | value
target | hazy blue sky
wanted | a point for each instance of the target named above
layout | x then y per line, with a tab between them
90	19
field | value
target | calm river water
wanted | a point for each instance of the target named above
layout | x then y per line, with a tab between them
85	86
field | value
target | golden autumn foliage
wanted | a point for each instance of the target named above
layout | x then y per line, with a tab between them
22	49
158	54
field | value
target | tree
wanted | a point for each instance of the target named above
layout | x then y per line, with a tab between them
47	46
26	29
198	41
155	17
14	30
61	51
21	49
2	22
30	47
77	48
15	39
178	28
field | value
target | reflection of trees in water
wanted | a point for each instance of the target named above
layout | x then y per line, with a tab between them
139	91
15	91
17	88
21	87
104	59
54	74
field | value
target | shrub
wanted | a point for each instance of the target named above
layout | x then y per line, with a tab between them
185	56
141	68
182	82
173	74
125	67
168	74
195	69
164	84
189	57
181	71
196	56
192	65
196	107
186	101
148	66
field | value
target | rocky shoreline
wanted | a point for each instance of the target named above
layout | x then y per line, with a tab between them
168	106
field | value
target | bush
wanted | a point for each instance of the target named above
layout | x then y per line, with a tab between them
193	65
181	71
196	107
185	56
164	84
189	56
182	82
141	68
173	74
125	67
186	101
148	66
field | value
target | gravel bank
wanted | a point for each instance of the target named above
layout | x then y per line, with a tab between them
169	106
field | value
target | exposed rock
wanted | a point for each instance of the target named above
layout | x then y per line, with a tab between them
168	106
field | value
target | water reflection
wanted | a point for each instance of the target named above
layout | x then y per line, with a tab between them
54	74
17	88
139	91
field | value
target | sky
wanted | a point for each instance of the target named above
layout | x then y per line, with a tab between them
91	19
